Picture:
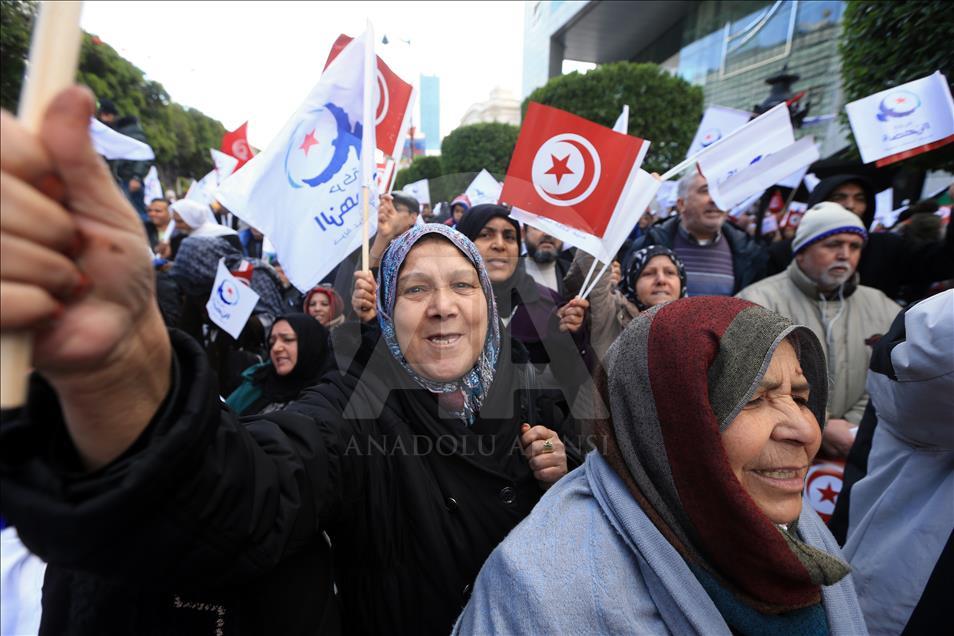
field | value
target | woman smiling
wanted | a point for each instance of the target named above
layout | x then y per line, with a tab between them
689	519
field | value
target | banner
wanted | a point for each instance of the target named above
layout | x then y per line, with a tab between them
304	191
114	145
717	122
728	189
903	121
393	103
235	143
152	189
483	189
231	302
570	170
420	190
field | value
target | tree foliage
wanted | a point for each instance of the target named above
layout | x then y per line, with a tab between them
479	146
885	44
662	108
180	136
421	168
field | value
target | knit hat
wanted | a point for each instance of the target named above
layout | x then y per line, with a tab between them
824	220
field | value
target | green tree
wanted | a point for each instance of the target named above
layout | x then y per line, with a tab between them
181	137
663	108
16	19
885	44
479	146
421	168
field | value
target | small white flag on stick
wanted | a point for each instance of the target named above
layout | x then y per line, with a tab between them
152	189
115	145
483	189
717	122
420	190
231	302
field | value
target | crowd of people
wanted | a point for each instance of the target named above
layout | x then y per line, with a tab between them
455	440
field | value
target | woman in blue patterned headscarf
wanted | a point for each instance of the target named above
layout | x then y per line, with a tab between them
467	392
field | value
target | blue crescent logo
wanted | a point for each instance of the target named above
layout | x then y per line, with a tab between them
898	104
227	292
318	148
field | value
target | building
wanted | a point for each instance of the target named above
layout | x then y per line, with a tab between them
728	47
502	107
431	112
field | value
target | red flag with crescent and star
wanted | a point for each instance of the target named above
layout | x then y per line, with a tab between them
393	102
569	169
235	143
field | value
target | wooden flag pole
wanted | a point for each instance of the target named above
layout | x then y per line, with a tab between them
54	54
367	143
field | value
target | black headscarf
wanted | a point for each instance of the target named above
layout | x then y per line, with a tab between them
520	287
639	262
314	359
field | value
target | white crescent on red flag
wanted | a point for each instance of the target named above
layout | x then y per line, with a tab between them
235	143
394	101
569	169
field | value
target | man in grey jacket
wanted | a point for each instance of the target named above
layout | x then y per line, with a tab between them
820	289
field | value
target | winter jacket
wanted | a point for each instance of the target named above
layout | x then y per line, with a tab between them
211	524
847	328
887	261
748	255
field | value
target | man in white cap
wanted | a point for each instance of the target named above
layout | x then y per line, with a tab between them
820	289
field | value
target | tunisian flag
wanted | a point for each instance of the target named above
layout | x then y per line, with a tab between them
569	169
236	144
393	99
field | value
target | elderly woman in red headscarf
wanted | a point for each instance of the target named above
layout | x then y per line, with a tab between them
689	518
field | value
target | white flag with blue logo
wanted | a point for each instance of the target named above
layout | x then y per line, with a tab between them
420	190
903	118
717	122
483	189
115	145
231	302
304	190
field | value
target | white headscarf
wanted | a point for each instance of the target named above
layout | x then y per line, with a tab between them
199	217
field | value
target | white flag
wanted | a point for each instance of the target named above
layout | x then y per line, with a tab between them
761	174
204	189
304	190
622	122
114	145
231	302
152	189
224	165
885	214
811	181
483	189
795	179
717	122
420	190
903	118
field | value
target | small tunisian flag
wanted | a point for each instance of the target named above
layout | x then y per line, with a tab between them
236	144
570	170
393	103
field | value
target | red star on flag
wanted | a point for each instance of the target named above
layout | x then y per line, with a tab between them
308	142
828	493
559	169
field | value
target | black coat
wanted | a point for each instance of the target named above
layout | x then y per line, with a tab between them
748	255
207	517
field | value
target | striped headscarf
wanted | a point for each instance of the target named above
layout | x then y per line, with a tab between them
475	383
677	378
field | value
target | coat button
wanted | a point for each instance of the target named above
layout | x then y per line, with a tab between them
451	504
507	495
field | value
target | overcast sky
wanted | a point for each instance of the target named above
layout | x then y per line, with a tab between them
257	61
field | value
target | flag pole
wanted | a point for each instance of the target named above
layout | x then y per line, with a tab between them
367	143
595	280
54	54
586	280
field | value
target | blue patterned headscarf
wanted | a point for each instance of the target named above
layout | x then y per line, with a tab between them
475	383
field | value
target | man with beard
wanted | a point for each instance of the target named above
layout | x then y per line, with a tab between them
820	289
545	264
